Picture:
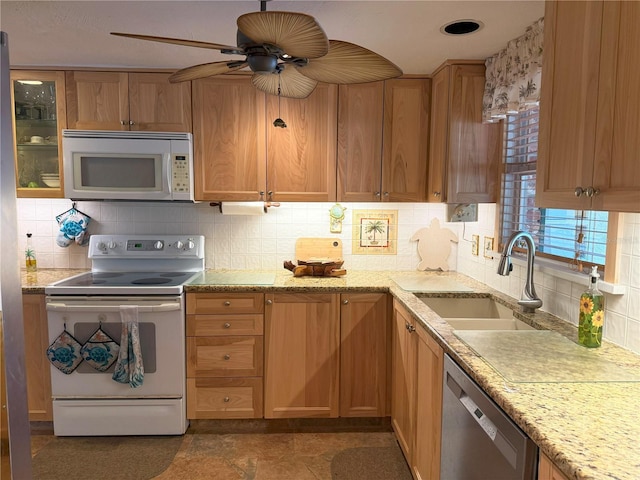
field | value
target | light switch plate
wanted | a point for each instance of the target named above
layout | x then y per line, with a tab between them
475	244
488	247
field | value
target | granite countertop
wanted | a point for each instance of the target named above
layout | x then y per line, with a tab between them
589	430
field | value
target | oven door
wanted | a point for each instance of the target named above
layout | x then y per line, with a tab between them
161	324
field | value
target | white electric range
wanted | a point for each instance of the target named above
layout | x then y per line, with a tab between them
148	272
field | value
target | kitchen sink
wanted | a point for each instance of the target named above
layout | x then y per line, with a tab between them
482	313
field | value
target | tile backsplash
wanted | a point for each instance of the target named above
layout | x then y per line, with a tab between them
264	242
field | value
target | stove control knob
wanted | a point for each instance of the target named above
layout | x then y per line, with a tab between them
158	245
191	245
111	245
178	245
102	246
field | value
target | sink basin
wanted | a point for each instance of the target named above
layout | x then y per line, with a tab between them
483	307
475	314
487	324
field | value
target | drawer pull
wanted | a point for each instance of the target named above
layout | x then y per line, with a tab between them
227	303
227	357
226	399
227	325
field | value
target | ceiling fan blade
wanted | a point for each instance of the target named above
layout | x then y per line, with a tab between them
292	84
206	70
297	34
349	63
179	41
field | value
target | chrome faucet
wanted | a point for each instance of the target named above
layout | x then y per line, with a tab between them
528	300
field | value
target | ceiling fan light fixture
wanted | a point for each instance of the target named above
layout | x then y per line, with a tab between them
262	63
461	27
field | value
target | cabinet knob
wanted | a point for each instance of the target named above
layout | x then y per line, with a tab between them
227	356
411	328
592	192
227	303
436	194
345	302
227	325
122	122
269	302
131	122
386	194
270	194
226	399
578	192
377	194
261	193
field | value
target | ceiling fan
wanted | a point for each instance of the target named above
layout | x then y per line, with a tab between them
288	52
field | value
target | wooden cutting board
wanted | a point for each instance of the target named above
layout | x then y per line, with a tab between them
318	249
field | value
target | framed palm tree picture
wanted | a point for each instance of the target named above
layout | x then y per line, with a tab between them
375	231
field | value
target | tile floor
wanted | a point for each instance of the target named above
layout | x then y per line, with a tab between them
233	454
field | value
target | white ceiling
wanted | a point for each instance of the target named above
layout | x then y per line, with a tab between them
76	34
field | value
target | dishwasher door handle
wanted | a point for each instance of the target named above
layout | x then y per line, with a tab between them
63	307
490	429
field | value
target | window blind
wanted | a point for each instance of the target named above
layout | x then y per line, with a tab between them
576	236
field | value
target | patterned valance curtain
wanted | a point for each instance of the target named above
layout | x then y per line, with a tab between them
513	75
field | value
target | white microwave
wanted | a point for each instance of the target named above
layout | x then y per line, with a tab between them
123	165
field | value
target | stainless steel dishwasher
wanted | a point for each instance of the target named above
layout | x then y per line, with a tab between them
479	441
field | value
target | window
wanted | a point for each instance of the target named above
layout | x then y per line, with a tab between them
578	237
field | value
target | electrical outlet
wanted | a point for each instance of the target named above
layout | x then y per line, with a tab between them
488	247
475	244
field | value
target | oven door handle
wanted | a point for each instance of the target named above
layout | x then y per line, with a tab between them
63	307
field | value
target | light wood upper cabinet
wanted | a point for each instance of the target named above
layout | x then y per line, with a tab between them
127	101
229	139
38	371
302	341
360	119
589	108
364	350
301	159
464	153
405	139
40	111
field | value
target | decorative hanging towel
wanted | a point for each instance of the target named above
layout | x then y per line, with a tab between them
129	367
73	227
64	353
100	351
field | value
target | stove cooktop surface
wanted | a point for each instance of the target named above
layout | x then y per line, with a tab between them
130	279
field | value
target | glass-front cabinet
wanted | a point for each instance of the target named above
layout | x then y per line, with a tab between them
39	117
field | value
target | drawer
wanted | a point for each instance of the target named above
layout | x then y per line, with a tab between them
224	356
224	303
235	324
224	398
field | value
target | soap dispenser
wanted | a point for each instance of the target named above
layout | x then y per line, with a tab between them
591	313
30	256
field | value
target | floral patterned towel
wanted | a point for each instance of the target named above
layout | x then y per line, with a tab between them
100	351
64	353
129	367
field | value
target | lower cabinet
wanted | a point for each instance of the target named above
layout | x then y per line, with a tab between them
36	341
365	327
224	355
425	462
416	403
302	338
548	471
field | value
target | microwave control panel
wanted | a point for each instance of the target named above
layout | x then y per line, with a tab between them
180	181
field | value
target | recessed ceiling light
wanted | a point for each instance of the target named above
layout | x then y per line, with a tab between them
461	27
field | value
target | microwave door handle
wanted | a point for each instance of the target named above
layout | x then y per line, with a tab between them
89	307
168	173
